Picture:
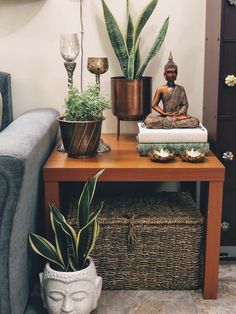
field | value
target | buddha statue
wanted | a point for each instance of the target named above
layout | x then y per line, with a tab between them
70	292
175	103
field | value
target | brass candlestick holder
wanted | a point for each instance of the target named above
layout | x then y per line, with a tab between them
97	66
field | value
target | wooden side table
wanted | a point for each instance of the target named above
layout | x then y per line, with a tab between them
123	164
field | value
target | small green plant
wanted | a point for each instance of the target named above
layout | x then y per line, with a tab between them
71	249
85	106
127	48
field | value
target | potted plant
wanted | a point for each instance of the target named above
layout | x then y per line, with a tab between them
81	122
131	94
69	281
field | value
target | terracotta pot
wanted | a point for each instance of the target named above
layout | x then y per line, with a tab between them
70	292
131	99
80	138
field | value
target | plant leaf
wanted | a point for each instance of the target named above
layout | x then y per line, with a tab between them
60	240
83	206
96	212
116	38
86	198
129	34
68	230
83	215
44	248
73	266
143	18
82	240
155	48
94	238
131	64
137	59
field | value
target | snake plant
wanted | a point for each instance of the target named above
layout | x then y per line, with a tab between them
71	249
127	48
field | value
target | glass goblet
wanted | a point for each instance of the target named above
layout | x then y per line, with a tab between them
69	48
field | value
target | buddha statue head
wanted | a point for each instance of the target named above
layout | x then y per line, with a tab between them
170	69
70	292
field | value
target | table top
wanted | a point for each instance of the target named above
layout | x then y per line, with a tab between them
123	163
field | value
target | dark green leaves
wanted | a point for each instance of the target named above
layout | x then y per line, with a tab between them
143	18
128	51
44	248
155	48
116	38
71	249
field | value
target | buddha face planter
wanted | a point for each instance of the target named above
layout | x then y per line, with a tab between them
70	292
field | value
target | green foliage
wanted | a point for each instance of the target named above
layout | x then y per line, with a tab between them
85	106
71	250
127	48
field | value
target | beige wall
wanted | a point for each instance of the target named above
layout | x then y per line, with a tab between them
29	48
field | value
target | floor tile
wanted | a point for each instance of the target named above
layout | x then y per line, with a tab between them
150	302
102	304
227	271
224	304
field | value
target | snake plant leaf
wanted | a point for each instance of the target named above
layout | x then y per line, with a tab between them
83	207
60	240
86	198
137	59
72	265
44	248
116	38
94	238
96	212
155	48
67	229
81	244
131	64
69	247
143	18
129	34
84	204
60	218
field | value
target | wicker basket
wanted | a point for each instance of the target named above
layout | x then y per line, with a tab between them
150	242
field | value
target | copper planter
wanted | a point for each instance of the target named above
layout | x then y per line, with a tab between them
80	138
131	99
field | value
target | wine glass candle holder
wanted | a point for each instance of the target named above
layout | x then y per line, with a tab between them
69	48
97	66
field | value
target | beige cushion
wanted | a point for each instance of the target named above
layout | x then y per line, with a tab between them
0	110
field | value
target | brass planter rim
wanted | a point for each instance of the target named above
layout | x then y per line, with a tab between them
61	119
123	78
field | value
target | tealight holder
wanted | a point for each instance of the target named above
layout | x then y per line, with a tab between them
193	155
161	155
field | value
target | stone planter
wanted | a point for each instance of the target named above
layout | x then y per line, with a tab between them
80	138
70	292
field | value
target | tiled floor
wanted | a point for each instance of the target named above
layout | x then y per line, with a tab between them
164	302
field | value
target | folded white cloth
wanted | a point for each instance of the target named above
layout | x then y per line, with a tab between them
175	135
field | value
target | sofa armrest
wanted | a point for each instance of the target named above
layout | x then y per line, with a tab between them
24	147
5	90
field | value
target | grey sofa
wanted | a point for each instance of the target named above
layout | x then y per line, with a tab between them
24	147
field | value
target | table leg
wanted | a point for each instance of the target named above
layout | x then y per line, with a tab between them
118	128
51	196
213	231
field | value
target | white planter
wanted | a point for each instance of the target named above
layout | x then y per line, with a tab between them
70	292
